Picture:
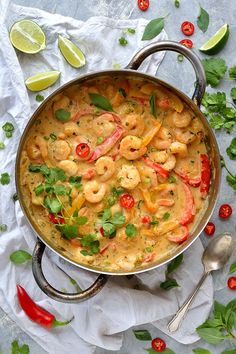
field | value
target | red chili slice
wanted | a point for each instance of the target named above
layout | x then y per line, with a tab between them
146	219
232	283
225	211
205	175
179	235
158	345
187	28
127	201
82	150
56	219
187	42
143	4
210	229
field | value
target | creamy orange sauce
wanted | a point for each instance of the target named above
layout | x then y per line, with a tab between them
128	202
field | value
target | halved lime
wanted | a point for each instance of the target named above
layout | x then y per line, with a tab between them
27	37
42	81
71	52
216	42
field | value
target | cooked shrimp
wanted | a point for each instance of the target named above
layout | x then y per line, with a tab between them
163	139
103	125
71	128
94	192
131	147
128	176
170	163
105	167
87	228
59	150
148	176
179	148
184	136
133	124
70	167
181	120
159	156
32	149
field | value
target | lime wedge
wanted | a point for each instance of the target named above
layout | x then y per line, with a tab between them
71	53
27	37
216	42
42	81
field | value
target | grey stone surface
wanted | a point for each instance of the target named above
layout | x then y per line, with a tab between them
180	75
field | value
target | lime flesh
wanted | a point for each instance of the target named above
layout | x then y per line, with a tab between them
42	81
216	42
27	37
73	55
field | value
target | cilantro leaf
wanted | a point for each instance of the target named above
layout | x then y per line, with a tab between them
80	220
106	214
123	41
169	284
131	30
52	204
215	68
131	230
68	231
231	150
91	243
76	181
118	219
20	256
39	189
175	263
233	94
108	228
232	72
5	178
62	115
232	268
52	175
171	179
39	98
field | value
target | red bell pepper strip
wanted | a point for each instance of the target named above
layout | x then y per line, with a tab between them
180	237
194	182
189	212
37	313
107	144
205	175
156	166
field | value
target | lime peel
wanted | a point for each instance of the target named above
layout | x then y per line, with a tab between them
42	81
217	41
73	55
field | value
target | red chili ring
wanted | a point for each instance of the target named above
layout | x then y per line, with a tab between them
127	201
232	283
143	4
187	28
210	228
82	150
187	42
225	211
158	345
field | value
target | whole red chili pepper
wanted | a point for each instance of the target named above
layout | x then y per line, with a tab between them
36	313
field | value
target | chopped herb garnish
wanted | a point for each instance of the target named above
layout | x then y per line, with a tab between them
203	20
171	179
131	30
123	41
232	268
68	231
122	92
231	150
15	197
180	57
177	3
52	175
39	189
62	115
8	129
39	98
152	103
110	223
3	227
52	204
148	249
131	230
2	145
92	245
76	181
232	72
100	140
20	257
53	136
166	216
17	349
5	178
140	202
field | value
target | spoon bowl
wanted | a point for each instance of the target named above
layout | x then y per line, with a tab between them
218	252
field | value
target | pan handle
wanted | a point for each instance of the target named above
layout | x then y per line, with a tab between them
200	87
56	294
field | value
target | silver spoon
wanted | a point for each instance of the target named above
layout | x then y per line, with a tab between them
214	257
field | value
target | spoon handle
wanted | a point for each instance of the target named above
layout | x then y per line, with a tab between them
174	324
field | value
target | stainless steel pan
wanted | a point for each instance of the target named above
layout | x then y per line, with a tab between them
213	151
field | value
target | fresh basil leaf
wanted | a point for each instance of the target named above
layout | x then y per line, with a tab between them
232	72
118	219
131	230
5	178
39	98
152	103
215	68
203	20
20	256
231	150
219	310
213	323
175	263
62	115
101	102
201	351
210	335
17	349
232	268
166	351
169	284
142	334
153	28
52	204
68	231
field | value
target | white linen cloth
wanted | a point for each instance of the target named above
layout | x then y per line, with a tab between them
100	320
